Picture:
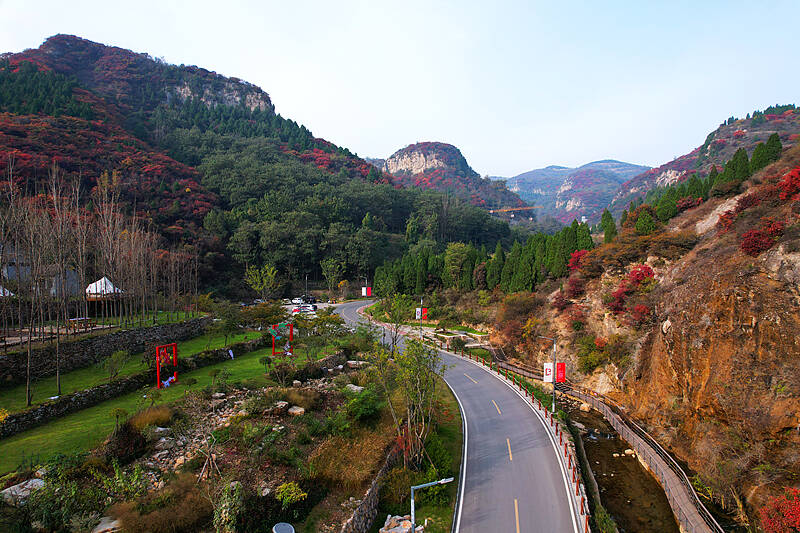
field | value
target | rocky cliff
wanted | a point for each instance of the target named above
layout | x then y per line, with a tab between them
441	166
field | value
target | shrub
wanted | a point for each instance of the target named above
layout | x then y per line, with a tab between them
726	220
365	405
125	444
440	458
352	469
576	258
782	514
790	185
617	302
645	224
289	493
560	301
640	314
575	286
517	306
640	273
687	203
747	201
159	415
773	228
179	507
756	241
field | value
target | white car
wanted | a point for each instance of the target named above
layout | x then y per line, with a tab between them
297	301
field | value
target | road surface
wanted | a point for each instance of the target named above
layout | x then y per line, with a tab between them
511	480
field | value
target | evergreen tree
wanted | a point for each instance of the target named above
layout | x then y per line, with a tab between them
623	217
608	226
666	209
645	225
740	165
494	267
760	157
510	266
774	147
421	273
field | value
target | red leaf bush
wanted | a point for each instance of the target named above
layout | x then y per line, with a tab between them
782	514
576	259
756	241
790	185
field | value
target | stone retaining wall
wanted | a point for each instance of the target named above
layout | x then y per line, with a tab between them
70	403
86	352
364	514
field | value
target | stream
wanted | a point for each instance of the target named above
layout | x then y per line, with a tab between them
629	493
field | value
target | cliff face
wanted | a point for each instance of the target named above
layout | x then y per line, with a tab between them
441	166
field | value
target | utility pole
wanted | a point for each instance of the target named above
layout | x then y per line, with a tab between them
417	487
306	293
420	319
554	369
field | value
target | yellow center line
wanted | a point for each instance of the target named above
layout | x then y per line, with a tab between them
495	406
510	457
472	380
516	513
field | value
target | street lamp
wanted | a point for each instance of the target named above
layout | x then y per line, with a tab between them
554	369
424	485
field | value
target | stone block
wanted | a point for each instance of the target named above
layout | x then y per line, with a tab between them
296	410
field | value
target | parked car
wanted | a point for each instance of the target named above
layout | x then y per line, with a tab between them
297	301
286	301
307	299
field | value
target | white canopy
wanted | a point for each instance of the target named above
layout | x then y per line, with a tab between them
102	287
5	292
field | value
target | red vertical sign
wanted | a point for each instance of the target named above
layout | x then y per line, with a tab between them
561	372
424	313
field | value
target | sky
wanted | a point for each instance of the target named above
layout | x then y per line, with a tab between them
515	85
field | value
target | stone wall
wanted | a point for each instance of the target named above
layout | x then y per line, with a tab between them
79	400
86	352
364	515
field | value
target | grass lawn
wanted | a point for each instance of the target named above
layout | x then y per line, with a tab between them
440	517
86	429
13	399
161	317
466	329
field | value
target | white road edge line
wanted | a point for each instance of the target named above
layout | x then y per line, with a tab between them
463	471
565	477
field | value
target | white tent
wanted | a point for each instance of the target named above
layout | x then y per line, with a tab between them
5	293
102	288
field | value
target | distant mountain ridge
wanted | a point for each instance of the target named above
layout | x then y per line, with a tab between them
567	193
718	148
442	166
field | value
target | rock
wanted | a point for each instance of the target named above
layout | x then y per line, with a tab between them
161	431
165	443
585	407
356	364
354	388
615	454
107	525
296	410
218	395
629	452
297	384
179	461
340	367
17	494
281	406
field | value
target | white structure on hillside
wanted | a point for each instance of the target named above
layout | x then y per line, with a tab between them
102	289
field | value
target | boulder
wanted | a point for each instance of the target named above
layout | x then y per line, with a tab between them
629	452
17	494
296	410
585	407
356	364
354	388
107	525
218	395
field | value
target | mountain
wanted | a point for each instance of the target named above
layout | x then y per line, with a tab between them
442	167
570	193
718	148
205	160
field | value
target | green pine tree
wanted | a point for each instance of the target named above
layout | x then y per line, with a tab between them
494	267
645	225
774	147
608	226
666	208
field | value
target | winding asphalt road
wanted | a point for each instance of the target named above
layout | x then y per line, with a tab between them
511	480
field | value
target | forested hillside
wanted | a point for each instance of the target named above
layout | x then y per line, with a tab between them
208	162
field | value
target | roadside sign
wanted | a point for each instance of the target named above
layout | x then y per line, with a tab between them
561	372
366	291
422	313
548	373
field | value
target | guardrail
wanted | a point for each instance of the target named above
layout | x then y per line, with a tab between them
689	510
566	450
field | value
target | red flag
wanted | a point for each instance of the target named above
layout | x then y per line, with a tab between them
561	372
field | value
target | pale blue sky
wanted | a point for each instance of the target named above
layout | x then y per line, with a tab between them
515	85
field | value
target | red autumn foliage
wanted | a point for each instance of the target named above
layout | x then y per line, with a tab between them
782	514
575	286
790	185
688	202
639	273
640	314
746	202
726	220
576	258
577	314
773	228
600	342
617	304
756	241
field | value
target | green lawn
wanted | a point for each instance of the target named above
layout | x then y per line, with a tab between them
467	329
86	429
13	399
161	317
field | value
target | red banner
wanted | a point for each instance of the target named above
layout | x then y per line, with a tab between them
424	313
561	372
